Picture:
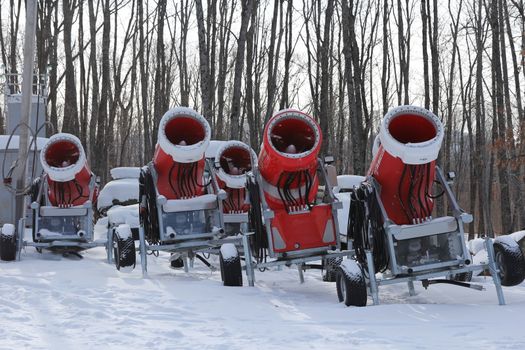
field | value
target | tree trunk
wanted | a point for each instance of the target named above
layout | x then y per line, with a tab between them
70	123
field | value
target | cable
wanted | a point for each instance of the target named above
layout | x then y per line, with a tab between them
366	227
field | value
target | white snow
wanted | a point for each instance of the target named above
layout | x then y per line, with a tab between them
127	214
121	190
517	236
123	231
506	239
50	302
194	203
349	181
125	172
228	251
351	267
476	245
8	230
45	233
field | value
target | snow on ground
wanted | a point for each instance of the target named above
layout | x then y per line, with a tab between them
52	302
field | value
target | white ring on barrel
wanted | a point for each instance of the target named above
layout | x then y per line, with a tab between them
189	153
293	114
67	173
412	153
233	181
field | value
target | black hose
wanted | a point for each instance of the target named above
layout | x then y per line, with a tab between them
366	221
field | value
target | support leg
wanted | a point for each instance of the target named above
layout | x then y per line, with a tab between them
143	255
411	289
109	245
250	273
372	277
301	273
186	259
494	270
20	240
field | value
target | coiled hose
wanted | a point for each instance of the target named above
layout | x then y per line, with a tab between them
366	227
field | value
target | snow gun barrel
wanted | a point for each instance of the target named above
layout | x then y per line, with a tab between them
233	160
183	137
63	157
404	164
288	160
64	161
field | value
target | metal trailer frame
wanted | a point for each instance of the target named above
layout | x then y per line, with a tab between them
82	241
299	257
461	264
207	242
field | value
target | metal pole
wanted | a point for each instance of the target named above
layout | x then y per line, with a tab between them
27	94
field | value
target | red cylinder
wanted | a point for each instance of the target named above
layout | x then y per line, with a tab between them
288	160
404	165
234	159
183	137
68	175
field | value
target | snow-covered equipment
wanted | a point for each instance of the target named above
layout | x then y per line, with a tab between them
409	142
180	201
298	221
62	199
233	161
117	203
391	224
118	200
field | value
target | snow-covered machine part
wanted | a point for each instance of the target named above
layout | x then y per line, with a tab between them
233	160
288	160
288	166
64	161
125	173
63	157
183	138
183	134
404	164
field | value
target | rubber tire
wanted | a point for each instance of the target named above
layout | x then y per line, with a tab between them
124	252
8	247
351	288
330	268
177	263
511	263
231	271
462	277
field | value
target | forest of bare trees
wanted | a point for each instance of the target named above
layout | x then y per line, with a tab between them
115	66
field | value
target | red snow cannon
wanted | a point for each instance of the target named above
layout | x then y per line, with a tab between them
233	160
68	176
404	163
288	167
179	160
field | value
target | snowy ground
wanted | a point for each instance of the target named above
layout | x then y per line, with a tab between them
51	302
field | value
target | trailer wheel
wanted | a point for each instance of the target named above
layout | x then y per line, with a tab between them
511	263
330	268
8	239
231	271
351	285
124	248
177	263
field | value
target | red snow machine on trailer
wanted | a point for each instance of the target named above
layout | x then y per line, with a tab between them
392	225
181	203
298	221
233	160
62	199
